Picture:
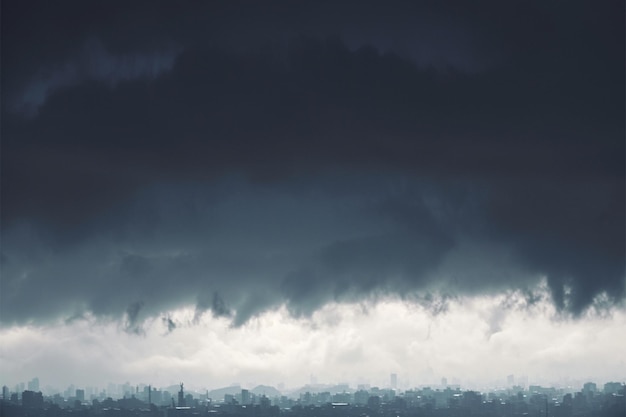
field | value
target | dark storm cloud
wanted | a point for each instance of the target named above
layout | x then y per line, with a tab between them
133	323
216	305
353	268
264	167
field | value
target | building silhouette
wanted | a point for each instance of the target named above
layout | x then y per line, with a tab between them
181	396
32	399
33	384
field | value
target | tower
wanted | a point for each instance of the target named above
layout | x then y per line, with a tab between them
245	397
181	396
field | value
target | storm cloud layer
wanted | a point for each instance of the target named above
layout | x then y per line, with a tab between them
241	160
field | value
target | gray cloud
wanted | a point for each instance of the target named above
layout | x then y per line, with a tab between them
304	248
133	322
215	304
317	168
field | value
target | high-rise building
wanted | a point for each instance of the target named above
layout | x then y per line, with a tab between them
31	399
590	387
33	384
612	387
510	380
245	397
80	395
157	396
166	397
394	381
5	392
181	396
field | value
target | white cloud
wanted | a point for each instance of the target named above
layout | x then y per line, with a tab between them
339	343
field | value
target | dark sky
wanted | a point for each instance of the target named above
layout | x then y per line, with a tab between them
243	155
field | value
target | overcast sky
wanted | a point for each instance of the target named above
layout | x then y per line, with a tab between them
259	192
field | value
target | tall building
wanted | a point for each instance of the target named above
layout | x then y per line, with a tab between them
5	392
33	384
31	399
394	381
590	387
80	395
510	380
157	396
245	397
181	396
612	387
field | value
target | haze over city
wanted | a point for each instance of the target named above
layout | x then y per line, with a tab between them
270	193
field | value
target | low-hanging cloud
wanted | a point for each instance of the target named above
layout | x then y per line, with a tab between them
312	173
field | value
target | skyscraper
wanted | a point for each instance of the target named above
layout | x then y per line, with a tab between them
245	397
181	396
33	384
31	399
510	380
394	381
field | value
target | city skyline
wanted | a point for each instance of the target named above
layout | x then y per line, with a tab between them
590	399
509	383
265	191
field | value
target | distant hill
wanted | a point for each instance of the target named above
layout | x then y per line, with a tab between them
218	394
266	390
172	389
317	388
